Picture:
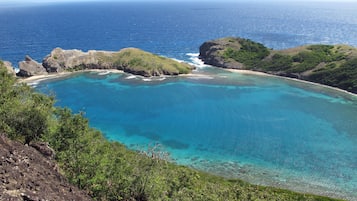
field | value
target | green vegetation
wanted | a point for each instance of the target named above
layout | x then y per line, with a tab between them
24	114
344	77
249	53
108	170
278	62
138	61
315	54
333	65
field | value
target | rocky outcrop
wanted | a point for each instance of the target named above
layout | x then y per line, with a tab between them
60	60
9	67
211	54
26	174
30	67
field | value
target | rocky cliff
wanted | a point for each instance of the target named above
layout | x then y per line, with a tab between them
131	60
211	53
29	173
332	65
30	67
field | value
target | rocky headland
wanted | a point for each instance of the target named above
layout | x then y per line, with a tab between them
130	60
332	65
30	173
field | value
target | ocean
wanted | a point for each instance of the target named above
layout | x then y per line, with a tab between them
265	130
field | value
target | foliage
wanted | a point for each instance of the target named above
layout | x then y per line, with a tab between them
332	65
250	53
136	60
108	170
22	110
314	55
278	62
344	77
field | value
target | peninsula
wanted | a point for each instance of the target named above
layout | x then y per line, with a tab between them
130	60
332	65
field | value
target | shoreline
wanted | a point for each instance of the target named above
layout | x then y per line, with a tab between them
251	72
39	78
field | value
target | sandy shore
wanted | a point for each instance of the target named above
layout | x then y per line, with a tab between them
38	78
250	72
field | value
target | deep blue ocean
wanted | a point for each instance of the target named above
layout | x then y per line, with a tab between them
263	129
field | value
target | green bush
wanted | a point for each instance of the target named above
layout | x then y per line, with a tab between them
344	77
24	114
250	53
278	62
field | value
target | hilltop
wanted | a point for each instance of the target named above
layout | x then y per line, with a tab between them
332	65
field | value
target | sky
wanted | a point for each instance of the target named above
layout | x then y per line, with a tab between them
39	2
59	1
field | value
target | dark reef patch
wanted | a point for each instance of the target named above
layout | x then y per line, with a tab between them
175	144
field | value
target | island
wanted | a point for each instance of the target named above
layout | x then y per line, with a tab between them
331	65
130	60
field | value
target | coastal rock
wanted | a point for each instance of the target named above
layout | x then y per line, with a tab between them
9	67
25	174
30	67
211	54
60	60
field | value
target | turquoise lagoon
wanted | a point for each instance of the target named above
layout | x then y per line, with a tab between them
263	129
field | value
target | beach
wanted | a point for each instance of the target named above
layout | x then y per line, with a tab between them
250	72
38	78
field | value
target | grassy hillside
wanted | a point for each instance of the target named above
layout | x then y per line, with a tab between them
108	170
333	65
137	61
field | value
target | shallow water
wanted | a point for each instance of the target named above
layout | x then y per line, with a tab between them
262	129
266	130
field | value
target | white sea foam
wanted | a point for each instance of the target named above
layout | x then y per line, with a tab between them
178	60
195	61
33	84
154	79
131	77
200	77
104	73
